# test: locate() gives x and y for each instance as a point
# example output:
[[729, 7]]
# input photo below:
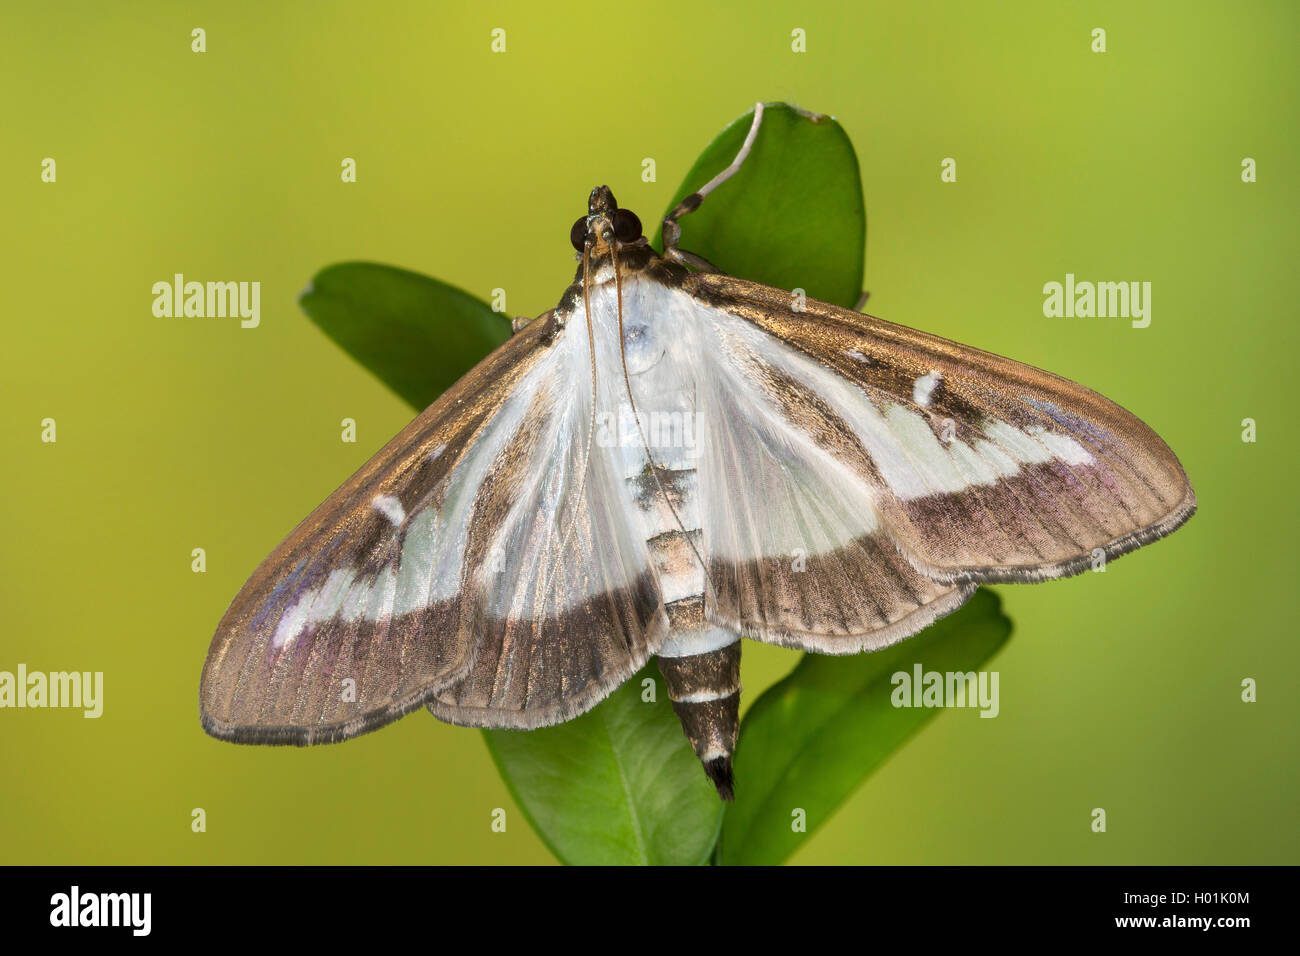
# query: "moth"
[[669, 460]]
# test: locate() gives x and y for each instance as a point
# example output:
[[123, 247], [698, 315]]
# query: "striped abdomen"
[[700, 663], [704, 688]]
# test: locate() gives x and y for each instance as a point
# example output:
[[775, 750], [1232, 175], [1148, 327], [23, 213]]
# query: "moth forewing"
[[376, 601], [978, 468]]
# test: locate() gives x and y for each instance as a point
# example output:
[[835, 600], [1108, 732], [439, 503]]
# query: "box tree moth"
[[667, 461]]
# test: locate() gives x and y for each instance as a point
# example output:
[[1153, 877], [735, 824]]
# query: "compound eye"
[[578, 234], [627, 227]]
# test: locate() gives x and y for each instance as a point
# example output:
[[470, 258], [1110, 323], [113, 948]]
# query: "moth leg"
[[698, 263], [519, 322], [672, 231]]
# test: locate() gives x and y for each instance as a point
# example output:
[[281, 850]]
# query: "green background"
[[1118, 690]]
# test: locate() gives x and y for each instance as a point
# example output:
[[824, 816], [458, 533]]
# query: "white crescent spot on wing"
[[924, 387], [390, 508]]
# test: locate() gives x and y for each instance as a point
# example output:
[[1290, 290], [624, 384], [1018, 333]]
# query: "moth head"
[[605, 222]]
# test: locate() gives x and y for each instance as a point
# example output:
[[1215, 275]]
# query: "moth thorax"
[[705, 694]]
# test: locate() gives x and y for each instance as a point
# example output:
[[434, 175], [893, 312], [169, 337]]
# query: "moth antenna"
[[636, 416]]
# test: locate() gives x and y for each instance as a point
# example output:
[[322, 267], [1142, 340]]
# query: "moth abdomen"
[[705, 692]]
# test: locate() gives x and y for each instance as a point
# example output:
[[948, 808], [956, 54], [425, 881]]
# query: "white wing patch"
[[339, 595], [1002, 463], [1017, 444], [923, 388], [1062, 447], [936, 464], [390, 508]]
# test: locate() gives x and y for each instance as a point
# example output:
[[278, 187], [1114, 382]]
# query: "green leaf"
[[792, 217], [618, 785], [811, 739], [418, 335]]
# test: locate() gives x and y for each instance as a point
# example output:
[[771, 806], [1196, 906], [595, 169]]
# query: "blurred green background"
[[1118, 690]]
